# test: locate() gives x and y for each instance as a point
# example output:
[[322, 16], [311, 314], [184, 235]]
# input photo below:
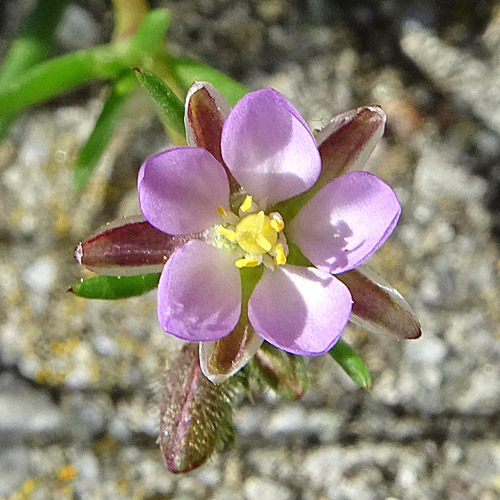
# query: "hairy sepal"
[[195, 415], [378, 307]]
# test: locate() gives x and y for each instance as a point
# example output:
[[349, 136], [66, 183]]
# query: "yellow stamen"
[[221, 211], [277, 225], [247, 203], [247, 262], [255, 235], [280, 258], [263, 242], [227, 233]]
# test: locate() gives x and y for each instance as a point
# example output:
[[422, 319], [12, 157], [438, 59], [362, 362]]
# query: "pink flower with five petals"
[[268, 161]]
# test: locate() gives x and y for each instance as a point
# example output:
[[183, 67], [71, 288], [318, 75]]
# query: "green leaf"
[[58, 75], [113, 287], [103, 131], [149, 37], [31, 46], [187, 71], [170, 108], [351, 363]]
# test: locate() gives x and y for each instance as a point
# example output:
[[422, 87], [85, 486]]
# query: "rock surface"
[[79, 379]]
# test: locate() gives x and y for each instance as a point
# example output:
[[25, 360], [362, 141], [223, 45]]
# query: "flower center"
[[255, 234], [258, 238]]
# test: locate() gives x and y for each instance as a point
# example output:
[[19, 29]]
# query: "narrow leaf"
[[115, 287], [50, 78], [31, 46], [378, 307], [195, 415], [34, 43], [60, 74], [104, 128], [284, 373], [187, 71], [170, 108], [148, 39], [351, 363]]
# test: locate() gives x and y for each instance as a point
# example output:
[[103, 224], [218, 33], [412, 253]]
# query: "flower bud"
[[195, 415]]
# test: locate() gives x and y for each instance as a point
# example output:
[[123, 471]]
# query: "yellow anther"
[[247, 203], [247, 262], [255, 235], [263, 242], [277, 225], [227, 233], [221, 211], [280, 257]]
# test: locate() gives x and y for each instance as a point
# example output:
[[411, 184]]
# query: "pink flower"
[[257, 199]]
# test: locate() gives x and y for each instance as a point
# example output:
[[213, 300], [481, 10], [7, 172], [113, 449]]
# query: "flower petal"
[[223, 358], [300, 310], [269, 148], [180, 189], [378, 307], [346, 222], [199, 294]]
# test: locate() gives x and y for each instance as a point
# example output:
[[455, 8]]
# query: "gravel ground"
[[79, 379]]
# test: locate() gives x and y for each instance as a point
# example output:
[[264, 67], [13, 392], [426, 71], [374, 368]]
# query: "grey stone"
[[26, 412], [77, 29], [265, 489]]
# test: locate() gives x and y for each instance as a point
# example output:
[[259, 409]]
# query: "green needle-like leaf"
[[112, 287], [187, 71], [58, 75], [103, 131], [149, 37], [31, 47], [170, 108], [351, 363], [34, 43]]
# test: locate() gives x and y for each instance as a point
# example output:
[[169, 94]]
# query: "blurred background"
[[79, 379]]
